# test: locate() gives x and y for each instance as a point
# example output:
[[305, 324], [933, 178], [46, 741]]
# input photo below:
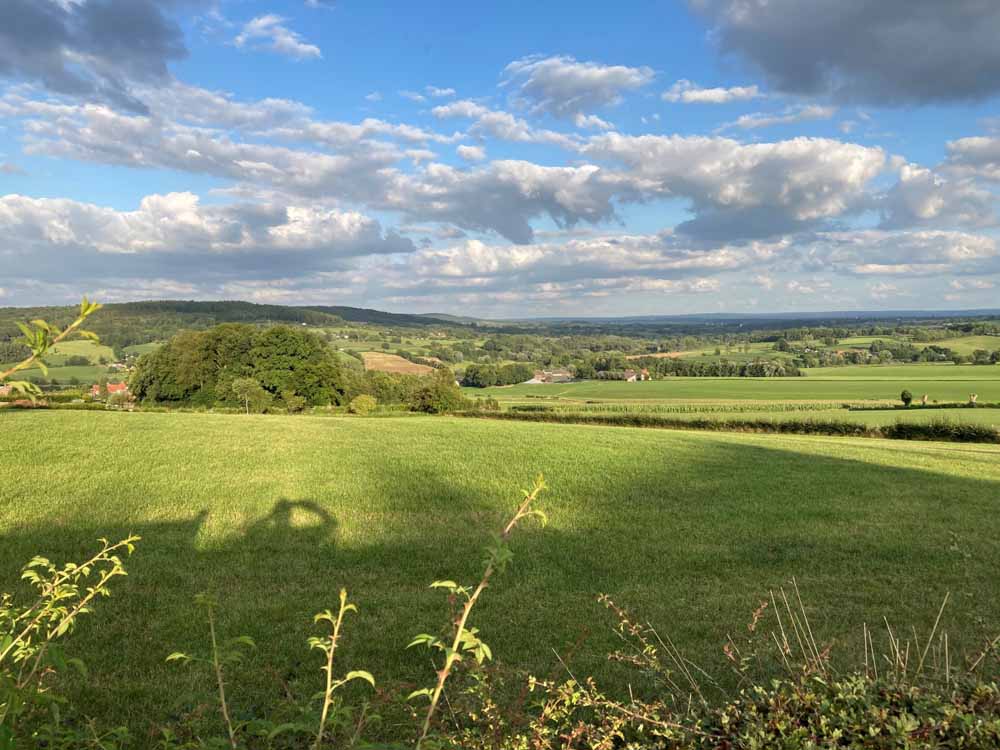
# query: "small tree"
[[293, 402], [906, 397], [251, 394], [362, 405]]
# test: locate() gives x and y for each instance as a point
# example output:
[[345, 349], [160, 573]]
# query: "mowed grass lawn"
[[274, 514]]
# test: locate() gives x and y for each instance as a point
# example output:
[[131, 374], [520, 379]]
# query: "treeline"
[[884, 352], [483, 376], [677, 367]]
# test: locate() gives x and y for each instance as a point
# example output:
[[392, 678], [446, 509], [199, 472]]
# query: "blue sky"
[[512, 159]]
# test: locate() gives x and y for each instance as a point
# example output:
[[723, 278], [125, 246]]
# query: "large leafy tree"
[[201, 366]]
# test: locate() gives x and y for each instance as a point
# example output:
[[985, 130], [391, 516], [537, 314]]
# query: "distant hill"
[[364, 315], [129, 323]]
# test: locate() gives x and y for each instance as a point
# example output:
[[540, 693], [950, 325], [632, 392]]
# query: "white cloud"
[[977, 285], [592, 121], [502, 125], [471, 153], [439, 93], [916, 253], [413, 96], [884, 290], [691, 93], [924, 197], [269, 32], [374, 96], [790, 115], [563, 87], [745, 190], [977, 156]]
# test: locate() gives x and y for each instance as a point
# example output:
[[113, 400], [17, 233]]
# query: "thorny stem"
[[522, 511], [327, 697], [57, 581], [218, 677]]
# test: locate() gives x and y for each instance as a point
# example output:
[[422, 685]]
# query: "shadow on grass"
[[692, 544]]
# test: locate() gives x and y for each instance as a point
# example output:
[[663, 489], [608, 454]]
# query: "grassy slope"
[[923, 380], [274, 514]]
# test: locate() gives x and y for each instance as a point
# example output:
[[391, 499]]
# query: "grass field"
[[382, 362], [967, 344], [274, 514], [934, 381]]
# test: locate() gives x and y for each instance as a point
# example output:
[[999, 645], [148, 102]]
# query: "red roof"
[[112, 388]]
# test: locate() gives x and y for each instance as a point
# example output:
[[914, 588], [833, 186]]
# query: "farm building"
[[550, 376], [95, 390], [632, 376]]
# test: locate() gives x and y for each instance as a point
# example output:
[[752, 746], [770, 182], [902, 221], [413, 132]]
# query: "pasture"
[[941, 383], [274, 514]]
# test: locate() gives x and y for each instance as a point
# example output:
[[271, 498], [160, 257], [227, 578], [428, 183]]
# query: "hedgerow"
[[943, 430]]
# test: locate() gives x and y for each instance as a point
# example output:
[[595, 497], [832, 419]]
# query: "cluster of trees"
[[483, 376], [204, 367], [884, 352], [764, 368], [278, 368]]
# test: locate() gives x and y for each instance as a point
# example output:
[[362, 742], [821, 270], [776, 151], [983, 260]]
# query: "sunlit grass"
[[275, 514]]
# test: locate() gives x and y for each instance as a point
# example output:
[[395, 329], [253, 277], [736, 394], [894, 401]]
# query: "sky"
[[503, 159]]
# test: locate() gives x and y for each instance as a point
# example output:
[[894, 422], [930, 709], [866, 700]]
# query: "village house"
[[6, 390], [550, 376], [95, 390], [632, 376]]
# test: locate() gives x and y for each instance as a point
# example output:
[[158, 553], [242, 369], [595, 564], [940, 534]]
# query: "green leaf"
[[423, 638], [417, 693], [360, 674], [178, 656], [451, 585]]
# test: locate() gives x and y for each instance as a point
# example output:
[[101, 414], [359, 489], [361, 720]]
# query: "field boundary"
[[936, 431]]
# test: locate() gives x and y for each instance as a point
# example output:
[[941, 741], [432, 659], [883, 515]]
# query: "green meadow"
[[274, 514], [867, 383]]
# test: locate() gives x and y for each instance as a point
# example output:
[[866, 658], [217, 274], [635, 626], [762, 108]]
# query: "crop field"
[[917, 379], [274, 514], [383, 362]]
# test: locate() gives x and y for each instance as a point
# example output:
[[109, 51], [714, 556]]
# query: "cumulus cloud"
[[746, 190], [504, 196], [94, 50], [270, 32], [787, 117], [978, 156], [471, 153], [8, 168], [885, 52], [563, 87], [691, 93], [503, 125], [439, 93], [962, 285], [176, 236], [923, 196], [914, 253]]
